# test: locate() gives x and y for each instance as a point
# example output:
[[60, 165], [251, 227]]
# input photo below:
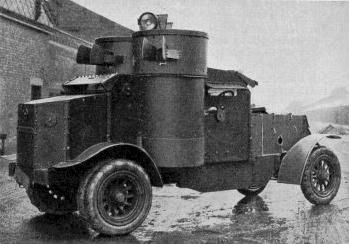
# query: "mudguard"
[[292, 165], [115, 150]]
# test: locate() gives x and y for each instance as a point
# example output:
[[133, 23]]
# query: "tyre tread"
[[306, 187], [91, 181]]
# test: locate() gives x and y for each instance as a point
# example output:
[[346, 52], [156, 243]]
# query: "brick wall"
[[24, 55], [32, 51], [30, 54]]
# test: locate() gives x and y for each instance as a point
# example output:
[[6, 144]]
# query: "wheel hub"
[[323, 176], [118, 197]]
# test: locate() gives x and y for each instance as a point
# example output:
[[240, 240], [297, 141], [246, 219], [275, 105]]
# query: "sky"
[[298, 51]]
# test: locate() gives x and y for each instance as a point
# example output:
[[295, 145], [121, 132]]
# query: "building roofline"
[[20, 19], [61, 3], [25, 21], [105, 18]]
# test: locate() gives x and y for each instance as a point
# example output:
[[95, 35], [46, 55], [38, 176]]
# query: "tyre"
[[321, 177], [115, 197], [51, 200], [252, 190]]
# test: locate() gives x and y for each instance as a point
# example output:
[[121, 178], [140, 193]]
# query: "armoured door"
[[227, 130]]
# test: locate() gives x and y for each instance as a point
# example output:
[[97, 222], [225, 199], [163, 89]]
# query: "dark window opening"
[[35, 92]]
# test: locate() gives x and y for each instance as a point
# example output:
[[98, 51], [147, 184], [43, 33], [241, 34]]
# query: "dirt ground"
[[279, 215]]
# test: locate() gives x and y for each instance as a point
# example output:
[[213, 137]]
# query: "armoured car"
[[155, 114]]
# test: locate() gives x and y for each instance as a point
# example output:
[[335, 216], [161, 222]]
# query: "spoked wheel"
[[119, 197], [321, 177], [252, 190], [116, 198]]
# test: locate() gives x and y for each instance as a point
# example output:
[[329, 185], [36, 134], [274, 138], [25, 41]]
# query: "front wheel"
[[252, 190], [115, 198], [321, 177]]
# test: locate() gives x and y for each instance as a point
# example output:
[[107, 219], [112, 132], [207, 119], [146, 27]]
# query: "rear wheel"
[[252, 190], [115, 198], [321, 177]]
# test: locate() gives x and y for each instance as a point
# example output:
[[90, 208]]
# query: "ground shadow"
[[68, 228], [250, 204]]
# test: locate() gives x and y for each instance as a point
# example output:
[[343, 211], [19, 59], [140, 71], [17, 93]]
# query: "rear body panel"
[[276, 134], [228, 139]]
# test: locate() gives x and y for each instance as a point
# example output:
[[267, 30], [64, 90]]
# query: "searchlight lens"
[[147, 21]]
